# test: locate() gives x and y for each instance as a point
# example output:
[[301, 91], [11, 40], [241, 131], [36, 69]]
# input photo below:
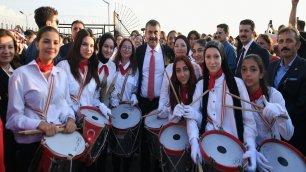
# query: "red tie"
[[106, 72], [151, 76], [122, 71]]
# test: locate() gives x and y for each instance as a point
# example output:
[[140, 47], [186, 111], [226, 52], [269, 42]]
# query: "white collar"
[[156, 49], [247, 46], [126, 65]]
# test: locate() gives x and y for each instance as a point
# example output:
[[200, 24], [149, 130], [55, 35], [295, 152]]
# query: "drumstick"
[[200, 169], [172, 88], [243, 109], [198, 98], [33, 132], [237, 97], [151, 114]]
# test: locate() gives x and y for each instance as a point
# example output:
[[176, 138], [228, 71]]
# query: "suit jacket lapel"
[[292, 70]]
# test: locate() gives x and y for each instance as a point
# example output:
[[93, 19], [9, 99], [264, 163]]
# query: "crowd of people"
[[252, 87]]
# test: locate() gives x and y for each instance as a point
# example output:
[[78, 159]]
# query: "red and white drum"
[[124, 137], [174, 141], [222, 150], [61, 147], [95, 132], [282, 156], [153, 124]]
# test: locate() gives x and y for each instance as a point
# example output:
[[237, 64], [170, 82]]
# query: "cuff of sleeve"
[[32, 124]]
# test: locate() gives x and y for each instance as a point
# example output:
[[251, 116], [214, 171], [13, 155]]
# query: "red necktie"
[[105, 68], [151, 76], [122, 71], [82, 65]]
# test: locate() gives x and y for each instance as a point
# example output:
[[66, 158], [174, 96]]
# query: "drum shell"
[[216, 165], [287, 145], [124, 142]]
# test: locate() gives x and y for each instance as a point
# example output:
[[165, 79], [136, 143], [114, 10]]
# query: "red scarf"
[[105, 68], [256, 95], [44, 67], [83, 63], [122, 71], [184, 94], [212, 79]]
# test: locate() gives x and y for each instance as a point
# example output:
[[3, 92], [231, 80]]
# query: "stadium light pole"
[[107, 13]]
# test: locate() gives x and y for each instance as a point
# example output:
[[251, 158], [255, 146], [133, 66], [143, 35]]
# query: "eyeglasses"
[[126, 47]]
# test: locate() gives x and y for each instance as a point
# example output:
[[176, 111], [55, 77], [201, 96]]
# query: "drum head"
[[94, 115], [174, 137], [282, 158], [223, 149], [125, 116], [151, 121], [66, 145]]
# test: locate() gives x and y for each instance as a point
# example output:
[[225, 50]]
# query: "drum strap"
[[43, 114], [123, 85], [82, 85], [266, 123], [105, 92]]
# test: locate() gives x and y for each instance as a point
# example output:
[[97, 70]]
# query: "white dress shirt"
[[89, 95], [130, 86], [158, 72], [214, 108], [282, 127], [28, 92]]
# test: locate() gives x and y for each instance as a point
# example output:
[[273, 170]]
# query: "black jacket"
[[293, 88]]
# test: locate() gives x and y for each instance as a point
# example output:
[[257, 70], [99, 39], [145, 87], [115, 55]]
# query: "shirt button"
[[213, 101], [214, 114]]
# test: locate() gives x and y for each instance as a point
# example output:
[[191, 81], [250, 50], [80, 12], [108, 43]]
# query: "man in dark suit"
[[246, 32], [152, 57], [288, 75]]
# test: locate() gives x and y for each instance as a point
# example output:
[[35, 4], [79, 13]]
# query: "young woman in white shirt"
[[252, 72], [106, 67], [125, 90], [181, 48], [81, 67], [28, 106], [218, 79]]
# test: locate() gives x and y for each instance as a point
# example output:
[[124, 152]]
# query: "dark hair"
[[301, 25], [134, 31], [77, 22], [43, 14], [46, 29], [4, 32], [185, 40], [248, 22], [224, 27], [29, 32], [262, 82], [292, 30], [75, 57], [152, 23], [118, 56], [202, 42], [231, 84], [102, 40], [176, 83], [193, 32], [172, 31]]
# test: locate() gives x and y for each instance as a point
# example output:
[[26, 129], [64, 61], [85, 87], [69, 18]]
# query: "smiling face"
[[48, 46], [152, 35], [180, 48], [198, 51], [213, 60], [87, 47], [108, 48], [7, 50], [182, 72], [251, 74], [126, 50]]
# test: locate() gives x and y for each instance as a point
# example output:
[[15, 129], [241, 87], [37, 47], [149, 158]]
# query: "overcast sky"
[[181, 15]]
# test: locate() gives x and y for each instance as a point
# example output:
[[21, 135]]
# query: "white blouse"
[[164, 101], [130, 86], [282, 128], [214, 108], [89, 95], [28, 92], [112, 75]]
